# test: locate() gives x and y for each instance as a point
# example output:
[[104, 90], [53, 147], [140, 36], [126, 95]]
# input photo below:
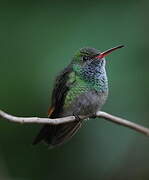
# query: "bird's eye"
[[85, 58]]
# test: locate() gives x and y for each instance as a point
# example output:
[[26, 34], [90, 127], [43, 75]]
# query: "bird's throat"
[[94, 75]]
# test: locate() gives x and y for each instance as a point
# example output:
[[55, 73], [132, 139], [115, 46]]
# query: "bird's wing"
[[62, 84], [57, 135]]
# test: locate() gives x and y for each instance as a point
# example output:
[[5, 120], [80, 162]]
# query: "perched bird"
[[80, 89]]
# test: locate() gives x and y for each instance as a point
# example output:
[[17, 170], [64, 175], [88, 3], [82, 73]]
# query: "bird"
[[80, 89]]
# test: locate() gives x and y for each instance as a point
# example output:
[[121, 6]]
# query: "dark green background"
[[37, 40]]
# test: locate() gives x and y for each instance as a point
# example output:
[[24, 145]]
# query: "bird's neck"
[[94, 75]]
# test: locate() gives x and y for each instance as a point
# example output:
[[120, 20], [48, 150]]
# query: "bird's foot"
[[93, 116], [77, 117]]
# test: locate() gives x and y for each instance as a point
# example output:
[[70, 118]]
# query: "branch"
[[109, 117]]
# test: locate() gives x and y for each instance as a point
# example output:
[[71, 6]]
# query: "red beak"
[[105, 53]]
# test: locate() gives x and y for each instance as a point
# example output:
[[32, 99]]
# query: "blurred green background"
[[37, 40]]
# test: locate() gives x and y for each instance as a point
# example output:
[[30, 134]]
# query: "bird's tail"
[[55, 135]]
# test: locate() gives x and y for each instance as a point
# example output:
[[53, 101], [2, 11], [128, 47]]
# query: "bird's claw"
[[93, 116], [77, 117]]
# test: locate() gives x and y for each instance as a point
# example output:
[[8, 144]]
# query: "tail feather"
[[42, 134], [57, 135], [63, 136]]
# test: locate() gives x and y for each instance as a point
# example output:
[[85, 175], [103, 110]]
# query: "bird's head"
[[87, 56], [90, 62]]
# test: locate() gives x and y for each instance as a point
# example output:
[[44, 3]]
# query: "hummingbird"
[[80, 89]]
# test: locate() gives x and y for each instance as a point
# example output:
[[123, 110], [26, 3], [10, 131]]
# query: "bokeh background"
[[37, 40]]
